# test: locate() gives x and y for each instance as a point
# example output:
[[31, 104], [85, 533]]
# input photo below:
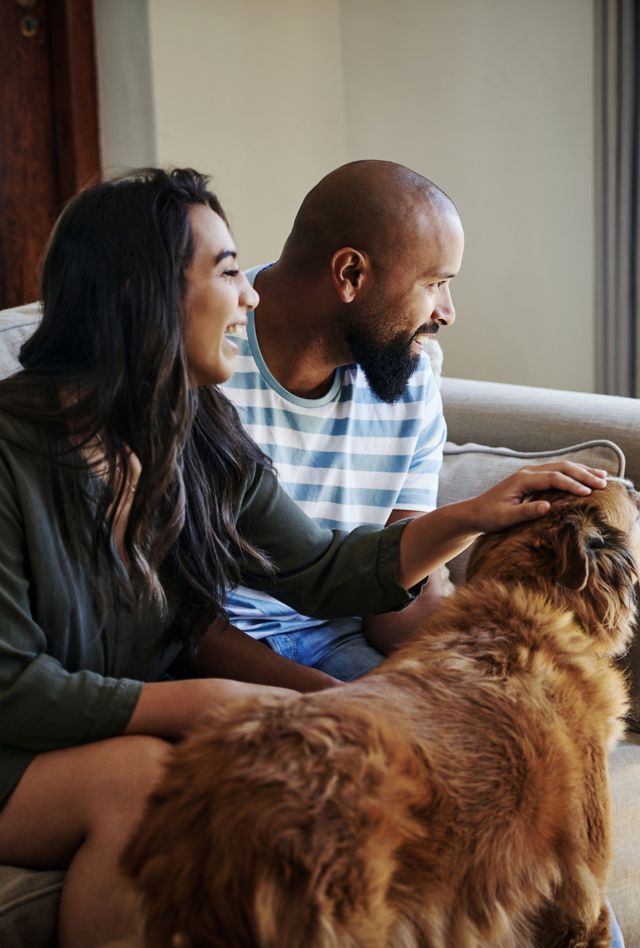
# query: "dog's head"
[[585, 552]]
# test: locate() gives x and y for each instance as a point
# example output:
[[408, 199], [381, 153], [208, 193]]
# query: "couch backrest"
[[16, 325]]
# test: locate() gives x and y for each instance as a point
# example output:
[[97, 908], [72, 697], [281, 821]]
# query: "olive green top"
[[65, 679]]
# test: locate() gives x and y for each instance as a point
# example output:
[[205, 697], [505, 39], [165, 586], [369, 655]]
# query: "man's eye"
[[231, 273]]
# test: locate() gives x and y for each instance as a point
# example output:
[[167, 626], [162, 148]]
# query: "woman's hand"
[[509, 502], [434, 538]]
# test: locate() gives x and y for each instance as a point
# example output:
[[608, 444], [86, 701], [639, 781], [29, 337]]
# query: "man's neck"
[[294, 343]]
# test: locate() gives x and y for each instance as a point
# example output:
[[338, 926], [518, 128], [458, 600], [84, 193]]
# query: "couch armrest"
[[538, 419]]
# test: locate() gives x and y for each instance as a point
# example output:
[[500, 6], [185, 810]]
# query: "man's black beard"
[[387, 368]]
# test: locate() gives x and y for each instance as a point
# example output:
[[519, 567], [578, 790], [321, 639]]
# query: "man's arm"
[[227, 652], [390, 629]]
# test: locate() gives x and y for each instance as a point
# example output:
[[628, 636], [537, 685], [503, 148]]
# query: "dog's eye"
[[597, 541]]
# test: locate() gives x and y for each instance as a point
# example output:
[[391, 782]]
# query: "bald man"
[[333, 384]]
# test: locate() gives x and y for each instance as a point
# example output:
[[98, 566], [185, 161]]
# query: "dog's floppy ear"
[[576, 537]]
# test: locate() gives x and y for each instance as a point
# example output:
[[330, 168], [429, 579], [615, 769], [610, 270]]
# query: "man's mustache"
[[428, 329]]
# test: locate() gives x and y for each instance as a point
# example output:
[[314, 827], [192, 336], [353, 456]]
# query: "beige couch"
[[541, 420], [524, 419]]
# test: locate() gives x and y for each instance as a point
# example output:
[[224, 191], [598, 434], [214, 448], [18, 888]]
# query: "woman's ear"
[[349, 271]]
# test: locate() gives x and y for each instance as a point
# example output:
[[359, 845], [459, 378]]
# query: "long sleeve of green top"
[[66, 679]]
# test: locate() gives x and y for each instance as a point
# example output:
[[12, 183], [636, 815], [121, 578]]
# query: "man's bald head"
[[367, 266], [374, 206]]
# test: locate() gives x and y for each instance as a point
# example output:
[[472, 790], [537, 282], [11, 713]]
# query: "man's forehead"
[[437, 245], [434, 217]]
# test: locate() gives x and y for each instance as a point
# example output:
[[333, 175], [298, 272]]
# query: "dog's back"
[[396, 815], [457, 796]]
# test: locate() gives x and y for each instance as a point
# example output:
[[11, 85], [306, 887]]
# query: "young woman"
[[130, 499]]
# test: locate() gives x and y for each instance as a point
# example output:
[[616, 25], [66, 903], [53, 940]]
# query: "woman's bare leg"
[[75, 809]]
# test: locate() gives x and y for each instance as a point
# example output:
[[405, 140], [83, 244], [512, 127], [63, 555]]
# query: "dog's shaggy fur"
[[456, 797]]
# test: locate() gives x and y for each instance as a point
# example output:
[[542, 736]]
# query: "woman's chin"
[[215, 373]]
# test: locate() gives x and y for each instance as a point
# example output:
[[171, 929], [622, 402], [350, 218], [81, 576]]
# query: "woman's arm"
[[55, 686], [386, 631], [169, 709], [226, 652], [431, 540], [326, 573]]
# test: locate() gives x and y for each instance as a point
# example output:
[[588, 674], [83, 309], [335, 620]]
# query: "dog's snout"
[[635, 497], [633, 493]]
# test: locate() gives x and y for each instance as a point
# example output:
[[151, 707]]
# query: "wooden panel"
[[48, 129], [28, 186], [75, 99]]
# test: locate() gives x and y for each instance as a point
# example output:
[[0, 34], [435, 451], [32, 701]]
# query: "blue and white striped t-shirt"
[[346, 458]]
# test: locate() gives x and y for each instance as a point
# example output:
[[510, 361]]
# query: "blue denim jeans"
[[339, 649], [617, 940]]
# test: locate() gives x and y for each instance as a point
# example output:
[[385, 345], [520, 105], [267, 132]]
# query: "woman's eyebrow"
[[226, 253]]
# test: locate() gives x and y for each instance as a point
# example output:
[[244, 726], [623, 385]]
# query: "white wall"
[[492, 99]]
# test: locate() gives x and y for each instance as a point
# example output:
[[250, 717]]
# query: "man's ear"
[[349, 271]]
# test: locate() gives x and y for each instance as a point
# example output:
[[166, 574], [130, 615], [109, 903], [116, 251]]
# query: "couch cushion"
[[16, 325], [29, 907], [624, 765]]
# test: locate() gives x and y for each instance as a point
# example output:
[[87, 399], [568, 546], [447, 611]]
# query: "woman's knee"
[[117, 804], [134, 766], [69, 795]]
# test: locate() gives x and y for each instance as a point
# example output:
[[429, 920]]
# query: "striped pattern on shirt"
[[346, 457]]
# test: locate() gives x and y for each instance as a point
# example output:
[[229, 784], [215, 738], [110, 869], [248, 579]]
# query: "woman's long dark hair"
[[107, 366]]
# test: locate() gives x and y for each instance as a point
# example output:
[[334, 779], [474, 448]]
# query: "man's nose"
[[444, 312]]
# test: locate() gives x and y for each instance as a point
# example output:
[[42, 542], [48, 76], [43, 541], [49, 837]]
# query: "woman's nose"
[[249, 297]]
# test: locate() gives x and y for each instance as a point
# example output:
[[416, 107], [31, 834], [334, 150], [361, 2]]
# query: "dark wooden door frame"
[[49, 133], [75, 95]]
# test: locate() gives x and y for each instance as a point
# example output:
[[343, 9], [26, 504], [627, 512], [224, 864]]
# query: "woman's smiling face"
[[217, 299]]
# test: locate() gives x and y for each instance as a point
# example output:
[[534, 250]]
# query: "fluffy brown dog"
[[456, 797]]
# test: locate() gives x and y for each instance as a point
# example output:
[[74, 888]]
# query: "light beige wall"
[[493, 99], [256, 98], [127, 116]]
